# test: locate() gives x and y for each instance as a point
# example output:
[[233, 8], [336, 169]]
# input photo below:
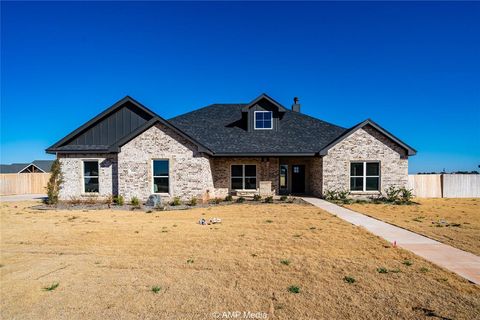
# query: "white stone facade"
[[189, 171], [194, 174], [366, 144], [72, 170]]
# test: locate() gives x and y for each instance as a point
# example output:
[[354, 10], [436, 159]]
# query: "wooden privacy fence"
[[445, 185], [23, 183]]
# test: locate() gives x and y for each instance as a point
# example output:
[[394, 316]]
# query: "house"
[[36, 166], [257, 147]]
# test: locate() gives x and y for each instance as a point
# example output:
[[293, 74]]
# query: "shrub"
[[406, 195], [285, 262], [337, 196], [156, 289], [109, 200], [398, 195], [54, 183], [408, 263], [51, 287], [240, 200], [382, 270], [176, 201], [229, 198], [283, 198], [348, 279], [216, 201], [392, 193], [269, 199], [192, 202], [118, 200], [134, 201], [257, 197], [294, 289]]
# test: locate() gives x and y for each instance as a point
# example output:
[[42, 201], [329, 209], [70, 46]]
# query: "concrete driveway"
[[23, 197]]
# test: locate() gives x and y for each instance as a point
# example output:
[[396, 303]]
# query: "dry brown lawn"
[[452, 221], [106, 263]]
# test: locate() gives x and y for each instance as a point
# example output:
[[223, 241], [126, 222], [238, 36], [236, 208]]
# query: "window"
[[365, 176], [263, 120], [90, 176], [160, 176], [244, 177]]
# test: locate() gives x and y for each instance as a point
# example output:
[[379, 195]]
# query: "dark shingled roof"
[[219, 128], [44, 165]]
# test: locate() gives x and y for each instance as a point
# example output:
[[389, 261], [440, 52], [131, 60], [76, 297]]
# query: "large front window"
[[263, 120], [244, 177], [90, 176], [160, 176], [364, 176]]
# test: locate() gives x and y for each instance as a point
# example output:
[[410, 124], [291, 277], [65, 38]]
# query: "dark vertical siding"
[[112, 128]]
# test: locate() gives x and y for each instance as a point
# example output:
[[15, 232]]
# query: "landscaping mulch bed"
[[168, 207]]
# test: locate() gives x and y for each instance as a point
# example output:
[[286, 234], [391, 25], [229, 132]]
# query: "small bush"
[[337, 196], [268, 221], [156, 289], [285, 262], [382, 270], [134, 201], [51, 287], [229, 198], [257, 197], [176, 201], [348, 279], [269, 199], [408, 263], [118, 200], [283, 198], [240, 200], [294, 289], [423, 269], [190, 260], [398, 195], [192, 202], [215, 201]]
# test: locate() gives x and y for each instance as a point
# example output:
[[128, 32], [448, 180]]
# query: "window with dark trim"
[[244, 177], [160, 176], [263, 120], [364, 176], [90, 176]]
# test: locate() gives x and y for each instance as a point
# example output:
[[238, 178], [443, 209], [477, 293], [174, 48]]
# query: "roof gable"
[[264, 97], [410, 150], [112, 128]]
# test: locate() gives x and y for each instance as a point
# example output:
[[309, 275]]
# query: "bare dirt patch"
[[290, 261], [452, 221]]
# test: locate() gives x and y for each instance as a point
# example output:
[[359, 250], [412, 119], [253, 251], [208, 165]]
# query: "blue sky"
[[414, 68]]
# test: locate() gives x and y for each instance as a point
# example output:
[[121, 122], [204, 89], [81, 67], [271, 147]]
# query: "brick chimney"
[[296, 105]]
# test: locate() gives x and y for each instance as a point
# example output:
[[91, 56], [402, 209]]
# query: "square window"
[[244, 177], [237, 183], [160, 185], [365, 176], [91, 184], [263, 119]]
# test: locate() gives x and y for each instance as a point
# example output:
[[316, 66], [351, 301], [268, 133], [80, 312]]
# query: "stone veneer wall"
[[365, 144], [267, 170], [190, 171], [71, 166], [316, 176]]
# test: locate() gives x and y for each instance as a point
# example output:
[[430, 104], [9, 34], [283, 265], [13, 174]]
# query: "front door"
[[298, 178]]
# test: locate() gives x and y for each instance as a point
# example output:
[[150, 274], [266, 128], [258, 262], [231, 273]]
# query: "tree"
[[55, 182]]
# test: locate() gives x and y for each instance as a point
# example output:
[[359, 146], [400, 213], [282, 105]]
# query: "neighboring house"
[[37, 166], [226, 148]]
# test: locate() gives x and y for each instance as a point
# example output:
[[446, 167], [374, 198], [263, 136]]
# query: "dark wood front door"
[[298, 178]]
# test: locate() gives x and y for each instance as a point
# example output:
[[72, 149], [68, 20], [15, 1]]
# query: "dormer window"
[[263, 120]]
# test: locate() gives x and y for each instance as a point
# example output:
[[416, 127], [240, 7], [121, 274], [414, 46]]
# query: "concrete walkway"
[[463, 263]]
